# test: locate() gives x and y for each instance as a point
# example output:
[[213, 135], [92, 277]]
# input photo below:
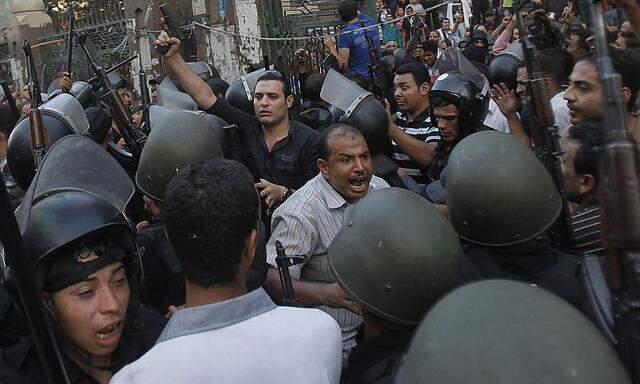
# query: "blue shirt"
[[357, 43]]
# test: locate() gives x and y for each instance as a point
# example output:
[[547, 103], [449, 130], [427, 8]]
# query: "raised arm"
[[192, 83]]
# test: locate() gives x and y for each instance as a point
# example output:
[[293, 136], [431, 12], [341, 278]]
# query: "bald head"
[[335, 131]]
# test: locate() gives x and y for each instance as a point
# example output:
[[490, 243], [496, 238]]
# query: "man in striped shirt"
[[580, 168], [307, 222], [414, 135]]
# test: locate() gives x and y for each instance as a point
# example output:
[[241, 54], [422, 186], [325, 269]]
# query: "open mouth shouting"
[[359, 184], [109, 335]]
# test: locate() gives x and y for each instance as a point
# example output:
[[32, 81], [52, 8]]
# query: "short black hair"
[[551, 67], [418, 71], [564, 58], [627, 67], [312, 86], [347, 10], [276, 75], [592, 138], [211, 206], [430, 46], [334, 130]]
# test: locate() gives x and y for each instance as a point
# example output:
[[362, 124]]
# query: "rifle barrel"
[[22, 270]]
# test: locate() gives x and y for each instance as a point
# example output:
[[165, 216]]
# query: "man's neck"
[[277, 131], [197, 295], [418, 111]]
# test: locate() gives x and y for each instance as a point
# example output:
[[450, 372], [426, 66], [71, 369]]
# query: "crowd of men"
[[391, 222]]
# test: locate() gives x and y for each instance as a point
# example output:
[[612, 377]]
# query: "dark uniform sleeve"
[[233, 115]]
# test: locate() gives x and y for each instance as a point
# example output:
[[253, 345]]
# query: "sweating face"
[[409, 95], [584, 95], [270, 104], [447, 118], [92, 312], [349, 167]]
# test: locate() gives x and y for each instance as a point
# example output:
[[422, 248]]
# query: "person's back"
[[225, 334], [356, 41], [213, 344]]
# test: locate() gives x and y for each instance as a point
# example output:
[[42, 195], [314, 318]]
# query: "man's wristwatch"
[[285, 194]]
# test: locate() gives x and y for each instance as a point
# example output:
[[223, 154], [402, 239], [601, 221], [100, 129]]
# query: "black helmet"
[[312, 86], [61, 116], [361, 109], [168, 150], [79, 191], [458, 89], [240, 92], [479, 34], [508, 332], [399, 53], [504, 69]]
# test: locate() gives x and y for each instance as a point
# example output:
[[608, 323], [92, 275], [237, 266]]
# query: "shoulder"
[[314, 323], [306, 132], [378, 183]]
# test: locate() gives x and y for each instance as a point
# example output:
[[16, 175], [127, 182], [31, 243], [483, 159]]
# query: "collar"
[[333, 199], [208, 317], [422, 116]]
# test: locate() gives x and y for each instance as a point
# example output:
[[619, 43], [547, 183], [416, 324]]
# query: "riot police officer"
[[499, 332], [86, 264], [166, 152], [394, 271], [502, 200]]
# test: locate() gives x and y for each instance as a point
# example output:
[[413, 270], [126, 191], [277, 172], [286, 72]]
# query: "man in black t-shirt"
[[281, 153]]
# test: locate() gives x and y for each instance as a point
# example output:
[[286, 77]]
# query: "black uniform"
[[375, 360], [20, 363], [547, 267]]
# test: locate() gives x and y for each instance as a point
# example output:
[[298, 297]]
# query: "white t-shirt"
[[262, 344]]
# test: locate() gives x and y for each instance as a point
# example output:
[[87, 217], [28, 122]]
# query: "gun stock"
[[133, 138], [545, 135], [39, 141], [620, 201], [146, 103], [284, 262], [19, 274]]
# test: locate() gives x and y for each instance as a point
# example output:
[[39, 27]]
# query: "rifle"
[[170, 27], [19, 273], [374, 66], [133, 138], [146, 102], [9, 96], [39, 141], [72, 24], [284, 262], [620, 199], [544, 132]]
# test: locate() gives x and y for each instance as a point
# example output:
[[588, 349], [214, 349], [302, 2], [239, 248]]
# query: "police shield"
[[453, 60], [360, 107], [174, 99], [240, 92], [76, 162], [61, 116]]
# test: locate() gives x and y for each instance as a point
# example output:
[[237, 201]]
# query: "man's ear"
[[626, 93], [250, 244], [424, 88], [289, 101], [323, 166], [588, 184]]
